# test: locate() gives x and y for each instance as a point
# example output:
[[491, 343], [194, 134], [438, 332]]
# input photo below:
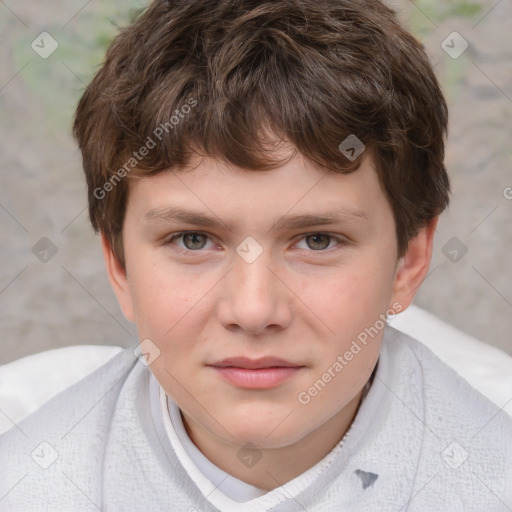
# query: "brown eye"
[[191, 241], [319, 241], [322, 243]]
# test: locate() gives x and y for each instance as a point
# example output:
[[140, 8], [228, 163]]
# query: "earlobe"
[[413, 267], [118, 279]]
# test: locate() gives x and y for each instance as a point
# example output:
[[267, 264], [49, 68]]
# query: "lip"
[[262, 378], [255, 364], [262, 373]]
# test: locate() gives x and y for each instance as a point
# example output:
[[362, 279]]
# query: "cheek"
[[161, 294], [351, 307], [167, 308], [352, 298], [162, 305]]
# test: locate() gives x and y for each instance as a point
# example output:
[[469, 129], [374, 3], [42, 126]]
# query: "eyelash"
[[189, 252]]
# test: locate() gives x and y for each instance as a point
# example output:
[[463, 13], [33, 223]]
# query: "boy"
[[267, 378]]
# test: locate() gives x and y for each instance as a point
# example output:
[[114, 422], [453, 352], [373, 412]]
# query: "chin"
[[262, 440], [263, 434]]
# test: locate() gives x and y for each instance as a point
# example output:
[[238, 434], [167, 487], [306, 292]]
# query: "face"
[[265, 277]]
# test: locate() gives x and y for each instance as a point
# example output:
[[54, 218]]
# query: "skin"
[[303, 299]]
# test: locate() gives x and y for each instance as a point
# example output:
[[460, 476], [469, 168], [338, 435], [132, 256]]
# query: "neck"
[[276, 465]]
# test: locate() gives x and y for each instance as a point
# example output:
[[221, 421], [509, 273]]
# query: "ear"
[[413, 267], [118, 279]]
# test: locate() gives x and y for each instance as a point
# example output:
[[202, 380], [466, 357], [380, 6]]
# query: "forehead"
[[213, 193]]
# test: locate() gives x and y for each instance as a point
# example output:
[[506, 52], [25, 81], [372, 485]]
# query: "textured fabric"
[[422, 440]]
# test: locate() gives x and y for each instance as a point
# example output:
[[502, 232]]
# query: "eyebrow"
[[306, 220]]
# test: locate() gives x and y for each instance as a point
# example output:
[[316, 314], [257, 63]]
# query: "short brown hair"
[[216, 75]]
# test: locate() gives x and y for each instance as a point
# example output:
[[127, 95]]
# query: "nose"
[[254, 296]]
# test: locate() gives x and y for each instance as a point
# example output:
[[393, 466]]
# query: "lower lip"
[[262, 378]]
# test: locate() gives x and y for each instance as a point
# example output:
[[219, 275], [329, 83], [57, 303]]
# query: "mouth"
[[263, 373], [255, 364]]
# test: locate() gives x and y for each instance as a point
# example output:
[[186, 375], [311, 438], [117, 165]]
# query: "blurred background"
[[53, 287]]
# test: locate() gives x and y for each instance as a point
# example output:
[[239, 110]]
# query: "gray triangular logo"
[[366, 477]]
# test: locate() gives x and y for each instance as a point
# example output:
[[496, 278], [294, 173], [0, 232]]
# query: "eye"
[[194, 241], [319, 242]]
